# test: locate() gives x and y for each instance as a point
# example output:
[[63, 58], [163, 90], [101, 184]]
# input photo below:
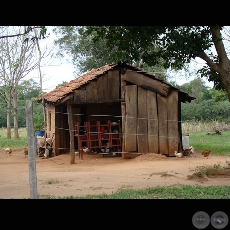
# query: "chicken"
[[206, 153], [178, 155], [86, 150], [25, 150], [192, 149], [189, 151], [8, 150]]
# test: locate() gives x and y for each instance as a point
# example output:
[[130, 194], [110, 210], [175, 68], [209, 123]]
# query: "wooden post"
[[71, 133], [31, 150]]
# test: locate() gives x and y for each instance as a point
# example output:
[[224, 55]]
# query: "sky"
[[55, 70]]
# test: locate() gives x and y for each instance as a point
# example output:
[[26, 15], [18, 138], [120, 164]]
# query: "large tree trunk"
[[8, 123], [225, 79], [223, 67], [15, 106], [8, 114]]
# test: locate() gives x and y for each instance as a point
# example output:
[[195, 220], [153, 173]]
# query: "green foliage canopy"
[[87, 53], [176, 45]]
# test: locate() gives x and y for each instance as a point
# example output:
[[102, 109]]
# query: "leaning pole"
[[31, 150]]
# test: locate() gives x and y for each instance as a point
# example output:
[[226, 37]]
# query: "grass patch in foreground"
[[175, 192]]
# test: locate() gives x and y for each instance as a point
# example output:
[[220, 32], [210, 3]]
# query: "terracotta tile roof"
[[62, 91]]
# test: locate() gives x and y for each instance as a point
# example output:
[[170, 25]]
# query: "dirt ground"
[[95, 174]]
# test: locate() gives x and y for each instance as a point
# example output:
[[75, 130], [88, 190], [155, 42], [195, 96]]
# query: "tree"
[[87, 53], [27, 33], [30, 90], [17, 59], [27, 90], [176, 45], [195, 88]]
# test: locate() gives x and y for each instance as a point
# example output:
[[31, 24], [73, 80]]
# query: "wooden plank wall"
[[123, 111], [80, 95], [151, 103], [102, 88], [130, 137], [172, 111], [91, 91], [142, 121], [59, 130], [163, 129], [105, 88], [76, 115], [114, 85], [180, 148]]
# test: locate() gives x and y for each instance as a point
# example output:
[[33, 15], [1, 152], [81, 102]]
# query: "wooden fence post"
[[31, 150]]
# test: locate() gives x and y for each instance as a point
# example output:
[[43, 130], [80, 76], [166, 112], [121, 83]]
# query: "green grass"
[[162, 192], [218, 144], [16, 144]]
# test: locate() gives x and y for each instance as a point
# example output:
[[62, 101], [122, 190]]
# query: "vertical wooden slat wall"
[[59, 130], [65, 131], [102, 88], [76, 115], [123, 111], [80, 95], [151, 103], [179, 125], [91, 92], [130, 134], [142, 123], [163, 129], [172, 111], [113, 85]]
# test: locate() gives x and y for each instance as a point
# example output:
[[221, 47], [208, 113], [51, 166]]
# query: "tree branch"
[[219, 46], [27, 31]]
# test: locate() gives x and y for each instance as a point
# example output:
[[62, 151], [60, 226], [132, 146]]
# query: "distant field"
[[16, 144], [218, 144]]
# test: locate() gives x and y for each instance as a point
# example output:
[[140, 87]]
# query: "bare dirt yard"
[[95, 174]]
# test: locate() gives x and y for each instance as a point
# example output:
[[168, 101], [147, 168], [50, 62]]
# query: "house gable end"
[[146, 82]]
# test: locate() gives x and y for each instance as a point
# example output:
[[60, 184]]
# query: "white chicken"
[[178, 155], [192, 149], [8, 150], [86, 150]]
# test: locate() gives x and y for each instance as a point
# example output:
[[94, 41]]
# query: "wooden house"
[[145, 109]]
